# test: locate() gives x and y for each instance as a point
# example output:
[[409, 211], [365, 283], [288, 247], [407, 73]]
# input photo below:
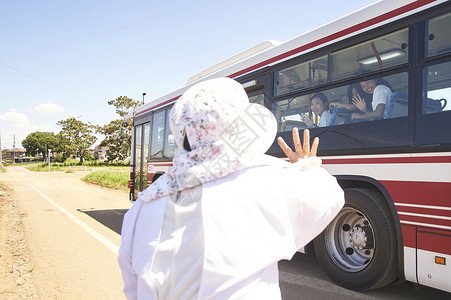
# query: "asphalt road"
[[72, 231]]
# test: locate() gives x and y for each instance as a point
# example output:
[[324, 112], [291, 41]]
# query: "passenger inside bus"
[[380, 92], [320, 107], [355, 95]]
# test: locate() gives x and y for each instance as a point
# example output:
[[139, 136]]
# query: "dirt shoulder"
[[15, 264]]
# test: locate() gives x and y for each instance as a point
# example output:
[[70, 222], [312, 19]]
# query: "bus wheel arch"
[[359, 249]]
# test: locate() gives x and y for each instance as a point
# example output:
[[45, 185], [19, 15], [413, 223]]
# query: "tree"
[[39, 142], [124, 106], [61, 149], [118, 133], [118, 139], [78, 135]]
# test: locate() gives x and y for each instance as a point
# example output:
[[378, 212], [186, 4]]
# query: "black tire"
[[358, 249]]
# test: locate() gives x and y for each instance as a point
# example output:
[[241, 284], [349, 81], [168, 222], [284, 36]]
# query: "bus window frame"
[[138, 171], [151, 158], [407, 67], [343, 130], [422, 138], [167, 129], [167, 110]]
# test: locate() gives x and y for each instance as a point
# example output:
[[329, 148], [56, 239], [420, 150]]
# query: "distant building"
[[100, 152], [16, 155]]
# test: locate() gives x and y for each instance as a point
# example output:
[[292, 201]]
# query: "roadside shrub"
[[112, 179], [71, 162]]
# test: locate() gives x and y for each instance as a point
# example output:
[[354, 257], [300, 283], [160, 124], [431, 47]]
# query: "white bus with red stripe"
[[395, 170]]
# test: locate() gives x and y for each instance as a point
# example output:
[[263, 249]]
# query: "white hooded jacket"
[[220, 235]]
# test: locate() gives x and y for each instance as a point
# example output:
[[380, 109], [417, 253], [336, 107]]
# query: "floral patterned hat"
[[225, 132], [219, 109]]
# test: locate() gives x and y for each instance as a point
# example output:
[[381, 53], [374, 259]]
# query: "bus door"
[[142, 137]]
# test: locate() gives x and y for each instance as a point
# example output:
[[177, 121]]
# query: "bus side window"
[[436, 117], [259, 99], [438, 35], [301, 76], [438, 89], [373, 55], [170, 148], [288, 112]]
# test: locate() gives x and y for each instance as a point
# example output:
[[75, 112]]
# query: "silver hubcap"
[[350, 240]]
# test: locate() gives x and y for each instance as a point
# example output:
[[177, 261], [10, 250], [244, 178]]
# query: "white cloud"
[[14, 128], [48, 108], [15, 120]]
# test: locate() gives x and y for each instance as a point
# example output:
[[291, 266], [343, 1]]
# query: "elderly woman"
[[216, 225]]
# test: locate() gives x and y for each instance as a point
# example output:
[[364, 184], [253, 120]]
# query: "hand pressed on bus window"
[[301, 151]]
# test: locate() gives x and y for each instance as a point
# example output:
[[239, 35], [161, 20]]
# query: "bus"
[[395, 168]]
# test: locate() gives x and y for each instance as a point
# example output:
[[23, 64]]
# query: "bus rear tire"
[[358, 249]]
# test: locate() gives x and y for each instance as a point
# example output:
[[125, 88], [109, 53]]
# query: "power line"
[[47, 84]]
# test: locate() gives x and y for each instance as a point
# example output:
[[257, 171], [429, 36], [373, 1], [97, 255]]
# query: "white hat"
[[226, 133], [219, 109]]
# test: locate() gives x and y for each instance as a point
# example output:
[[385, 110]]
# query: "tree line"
[[76, 137]]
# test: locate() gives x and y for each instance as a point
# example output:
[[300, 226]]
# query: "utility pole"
[[49, 157], [14, 149]]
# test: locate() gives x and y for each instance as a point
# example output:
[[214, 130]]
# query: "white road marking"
[[107, 243]]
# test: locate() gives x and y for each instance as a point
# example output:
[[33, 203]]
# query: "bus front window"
[[156, 146]]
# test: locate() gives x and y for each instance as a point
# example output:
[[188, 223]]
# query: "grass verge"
[[111, 179], [60, 167], [44, 167]]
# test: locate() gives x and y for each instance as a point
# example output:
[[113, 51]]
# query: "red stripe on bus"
[[409, 236], [433, 240], [389, 160], [419, 192], [435, 231], [440, 243], [336, 35]]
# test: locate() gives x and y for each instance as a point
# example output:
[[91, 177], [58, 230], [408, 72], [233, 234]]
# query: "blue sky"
[[68, 58]]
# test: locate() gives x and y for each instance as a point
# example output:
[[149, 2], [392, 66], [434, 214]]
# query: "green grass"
[[111, 179], [68, 168], [44, 167]]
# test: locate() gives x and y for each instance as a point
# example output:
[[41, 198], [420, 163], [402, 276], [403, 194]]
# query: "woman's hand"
[[360, 103], [306, 119], [300, 150]]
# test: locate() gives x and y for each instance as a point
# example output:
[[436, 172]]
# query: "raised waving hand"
[[300, 151]]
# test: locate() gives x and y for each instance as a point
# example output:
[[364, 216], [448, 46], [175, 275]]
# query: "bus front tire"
[[358, 249]]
